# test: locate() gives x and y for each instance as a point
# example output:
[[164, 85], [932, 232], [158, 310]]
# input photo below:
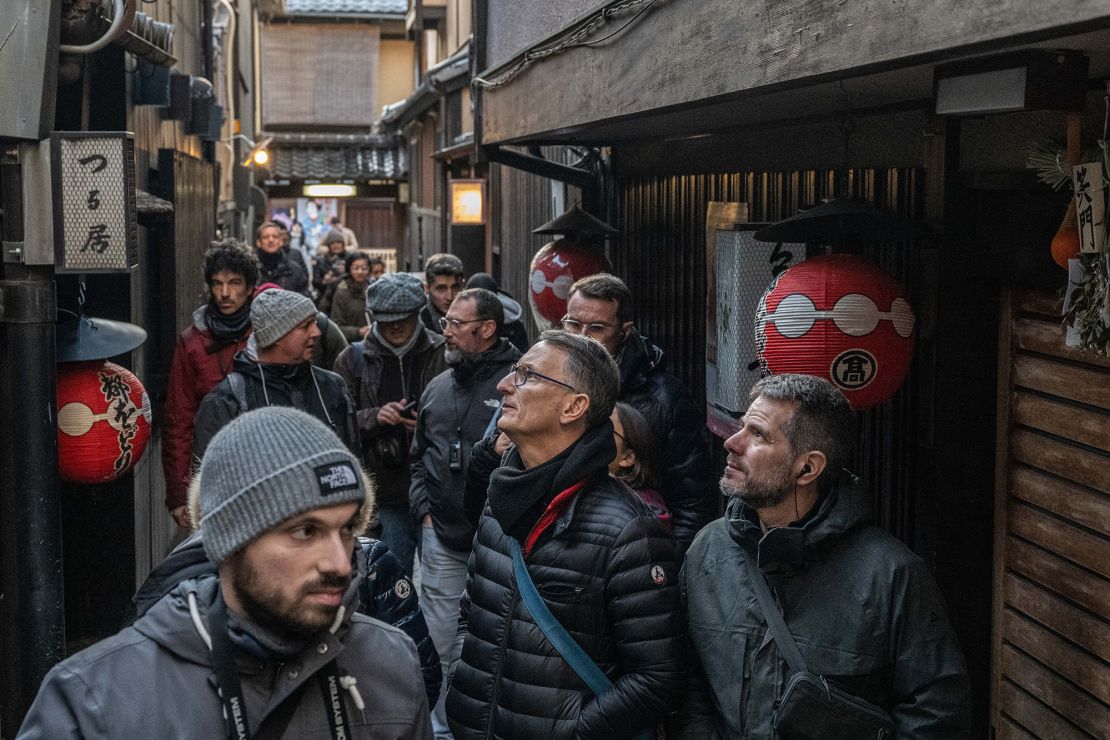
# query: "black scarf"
[[469, 364], [518, 496], [226, 328], [270, 260]]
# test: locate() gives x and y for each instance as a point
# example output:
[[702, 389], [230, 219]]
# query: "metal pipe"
[[114, 31], [32, 617]]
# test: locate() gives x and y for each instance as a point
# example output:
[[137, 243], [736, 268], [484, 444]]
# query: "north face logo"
[[336, 477]]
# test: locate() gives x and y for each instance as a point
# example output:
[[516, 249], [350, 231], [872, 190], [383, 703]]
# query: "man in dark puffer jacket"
[[598, 557], [600, 306]]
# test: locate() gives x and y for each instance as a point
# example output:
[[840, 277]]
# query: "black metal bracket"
[[543, 167]]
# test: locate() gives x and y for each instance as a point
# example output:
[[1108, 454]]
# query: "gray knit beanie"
[[269, 465], [275, 313], [394, 297]]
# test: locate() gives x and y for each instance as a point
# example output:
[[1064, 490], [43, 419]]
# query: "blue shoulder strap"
[[493, 420], [571, 651]]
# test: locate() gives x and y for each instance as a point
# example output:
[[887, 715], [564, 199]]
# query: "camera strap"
[[773, 616], [231, 691]]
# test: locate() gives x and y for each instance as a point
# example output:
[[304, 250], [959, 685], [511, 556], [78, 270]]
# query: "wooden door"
[[378, 224], [1051, 633]]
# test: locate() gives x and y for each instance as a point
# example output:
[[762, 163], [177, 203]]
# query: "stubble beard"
[[759, 494], [266, 606]]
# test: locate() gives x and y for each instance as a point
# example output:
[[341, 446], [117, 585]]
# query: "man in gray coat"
[[272, 642], [864, 610]]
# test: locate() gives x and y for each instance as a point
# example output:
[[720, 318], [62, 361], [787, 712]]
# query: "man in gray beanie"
[[272, 643], [385, 372], [276, 370]]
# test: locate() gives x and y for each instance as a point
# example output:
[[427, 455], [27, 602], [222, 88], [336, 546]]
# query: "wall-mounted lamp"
[[330, 190], [468, 202], [1032, 79], [257, 154]]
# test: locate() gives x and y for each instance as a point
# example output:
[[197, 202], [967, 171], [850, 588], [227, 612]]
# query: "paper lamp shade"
[[841, 318], [554, 269], [103, 421]]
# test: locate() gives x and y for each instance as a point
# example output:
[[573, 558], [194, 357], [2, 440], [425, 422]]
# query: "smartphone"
[[409, 408]]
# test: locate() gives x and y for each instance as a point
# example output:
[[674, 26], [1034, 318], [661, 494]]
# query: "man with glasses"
[[598, 557], [455, 411], [600, 307]]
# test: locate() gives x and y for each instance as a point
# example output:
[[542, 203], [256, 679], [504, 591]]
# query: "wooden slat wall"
[[1051, 641]]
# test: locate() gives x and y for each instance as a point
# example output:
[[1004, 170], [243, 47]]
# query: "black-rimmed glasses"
[[521, 374]]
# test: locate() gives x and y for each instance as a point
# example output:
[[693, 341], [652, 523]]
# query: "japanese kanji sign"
[[94, 196], [1090, 206]]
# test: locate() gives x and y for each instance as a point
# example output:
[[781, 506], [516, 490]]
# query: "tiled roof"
[[324, 162], [346, 7]]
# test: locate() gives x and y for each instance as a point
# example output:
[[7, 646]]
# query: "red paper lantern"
[[103, 421], [554, 269], [841, 318]]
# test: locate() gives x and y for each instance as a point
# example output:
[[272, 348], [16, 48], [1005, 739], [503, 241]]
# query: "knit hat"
[[275, 313], [269, 465], [394, 297], [483, 280], [331, 237]]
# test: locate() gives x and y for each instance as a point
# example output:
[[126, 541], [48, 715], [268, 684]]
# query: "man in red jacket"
[[203, 358]]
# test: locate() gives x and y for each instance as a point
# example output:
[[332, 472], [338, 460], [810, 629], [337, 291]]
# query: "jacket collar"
[[791, 548], [637, 359]]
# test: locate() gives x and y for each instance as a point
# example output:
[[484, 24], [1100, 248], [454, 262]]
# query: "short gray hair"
[[822, 419], [590, 369]]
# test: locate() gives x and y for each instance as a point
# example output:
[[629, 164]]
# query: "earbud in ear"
[[805, 469]]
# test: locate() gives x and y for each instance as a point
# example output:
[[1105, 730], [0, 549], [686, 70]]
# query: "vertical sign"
[[94, 201], [1090, 206], [745, 267]]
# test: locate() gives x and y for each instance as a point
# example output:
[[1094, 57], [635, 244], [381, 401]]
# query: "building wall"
[[395, 73]]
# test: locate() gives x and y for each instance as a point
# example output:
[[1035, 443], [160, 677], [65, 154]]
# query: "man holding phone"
[[386, 372]]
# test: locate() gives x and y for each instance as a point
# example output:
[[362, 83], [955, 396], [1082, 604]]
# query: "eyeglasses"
[[522, 373], [455, 324], [577, 327]]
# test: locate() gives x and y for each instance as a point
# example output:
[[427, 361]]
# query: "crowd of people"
[[334, 436]]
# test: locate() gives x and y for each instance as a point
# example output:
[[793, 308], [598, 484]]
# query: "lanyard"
[[231, 692]]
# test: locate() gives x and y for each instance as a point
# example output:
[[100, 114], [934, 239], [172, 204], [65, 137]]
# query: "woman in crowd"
[[348, 304], [635, 463]]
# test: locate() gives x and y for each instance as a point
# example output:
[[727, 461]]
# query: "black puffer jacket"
[[681, 440], [366, 367], [608, 571], [320, 393], [284, 269], [462, 399]]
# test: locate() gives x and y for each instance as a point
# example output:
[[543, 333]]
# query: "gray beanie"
[[394, 297], [266, 466], [275, 313]]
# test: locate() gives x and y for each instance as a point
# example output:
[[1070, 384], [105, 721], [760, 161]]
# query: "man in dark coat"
[[203, 358], [454, 413], [864, 610], [600, 306], [513, 327], [599, 558], [269, 646], [276, 370], [443, 279], [276, 263], [384, 372]]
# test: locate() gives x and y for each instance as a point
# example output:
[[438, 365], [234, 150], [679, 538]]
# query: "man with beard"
[[863, 609], [277, 265], [455, 411], [600, 307], [598, 557], [276, 370], [204, 357], [269, 645]]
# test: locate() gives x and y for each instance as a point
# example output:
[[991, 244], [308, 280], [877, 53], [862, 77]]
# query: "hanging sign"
[[94, 201], [1090, 206]]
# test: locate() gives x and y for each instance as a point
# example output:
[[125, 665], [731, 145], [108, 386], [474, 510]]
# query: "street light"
[[257, 154]]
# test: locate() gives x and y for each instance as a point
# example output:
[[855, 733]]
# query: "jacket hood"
[[198, 318], [472, 365], [246, 363], [513, 309], [426, 339], [187, 561], [637, 359], [792, 548]]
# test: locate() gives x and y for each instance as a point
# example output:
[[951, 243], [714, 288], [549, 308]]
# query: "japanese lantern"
[[841, 318], [554, 269], [103, 421]]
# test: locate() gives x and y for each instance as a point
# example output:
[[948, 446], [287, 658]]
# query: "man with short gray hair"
[[863, 610], [598, 557]]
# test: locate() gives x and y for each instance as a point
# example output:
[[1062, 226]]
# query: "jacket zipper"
[[502, 649]]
